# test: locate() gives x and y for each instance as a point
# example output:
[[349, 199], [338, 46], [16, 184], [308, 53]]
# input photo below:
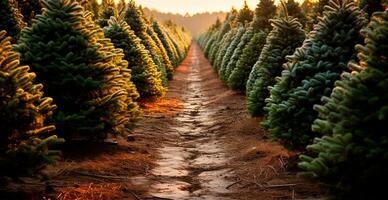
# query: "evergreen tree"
[[224, 44], [108, 11], [134, 18], [209, 45], [166, 42], [11, 20], [351, 156], [245, 15], [81, 70], [176, 46], [287, 34], [225, 29], [294, 10], [144, 71], [163, 53], [311, 73], [24, 139], [370, 6], [264, 11], [229, 53], [29, 9], [252, 50], [247, 36]]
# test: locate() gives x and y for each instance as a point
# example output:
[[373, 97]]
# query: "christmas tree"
[[351, 156], [239, 76], [249, 33], [245, 15], [226, 27], [311, 73], [24, 139], [134, 18], [11, 20], [224, 44], [29, 9], [108, 11], [166, 60], [223, 71], [294, 10], [144, 71], [286, 36], [264, 11], [83, 72], [165, 41]]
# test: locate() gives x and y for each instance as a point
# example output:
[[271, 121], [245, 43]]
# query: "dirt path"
[[192, 163], [196, 143], [212, 149]]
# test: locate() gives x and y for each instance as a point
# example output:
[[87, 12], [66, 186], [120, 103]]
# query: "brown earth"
[[196, 143]]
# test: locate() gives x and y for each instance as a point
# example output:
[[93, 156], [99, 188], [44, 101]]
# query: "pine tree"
[[24, 139], [11, 20], [249, 33], [209, 45], [264, 11], [351, 156], [245, 15], [229, 53], [163, 53], [286, 36], [29, 9], [294, 10], [144, 71], [224, 44], [239, 76], [165, 40], [311, 73], [108, 11], [134, 18], [81, 70], [370, 6], [218, 43]]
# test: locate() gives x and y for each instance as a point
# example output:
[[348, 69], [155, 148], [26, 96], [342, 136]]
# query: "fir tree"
[[134, 18], [252, 50], [81, 70], [29, 9], [311, 73], [286, 36], [108, 11], [210, 43], [294, 10], [224, 44], [163, 53], [144, 71], [24, 139], [264, 11], [166, 42], [371, 6], [351, 156], [229, 53], [218, 43], [249, 33], [11, 20], [245, 15]]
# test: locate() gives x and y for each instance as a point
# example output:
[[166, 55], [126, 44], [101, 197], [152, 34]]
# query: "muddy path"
[[196, 143], [211, 148], [193, 162]]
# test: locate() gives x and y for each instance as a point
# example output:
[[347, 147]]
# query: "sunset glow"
[[195, 6]]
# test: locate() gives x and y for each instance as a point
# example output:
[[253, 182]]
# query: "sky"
[[195, 6]]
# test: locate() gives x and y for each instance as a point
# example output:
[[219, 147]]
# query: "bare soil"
[[196, 143]]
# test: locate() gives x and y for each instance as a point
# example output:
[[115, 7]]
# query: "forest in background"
[[195, 24]]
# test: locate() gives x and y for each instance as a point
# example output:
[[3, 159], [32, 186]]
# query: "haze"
[[195, 6]]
